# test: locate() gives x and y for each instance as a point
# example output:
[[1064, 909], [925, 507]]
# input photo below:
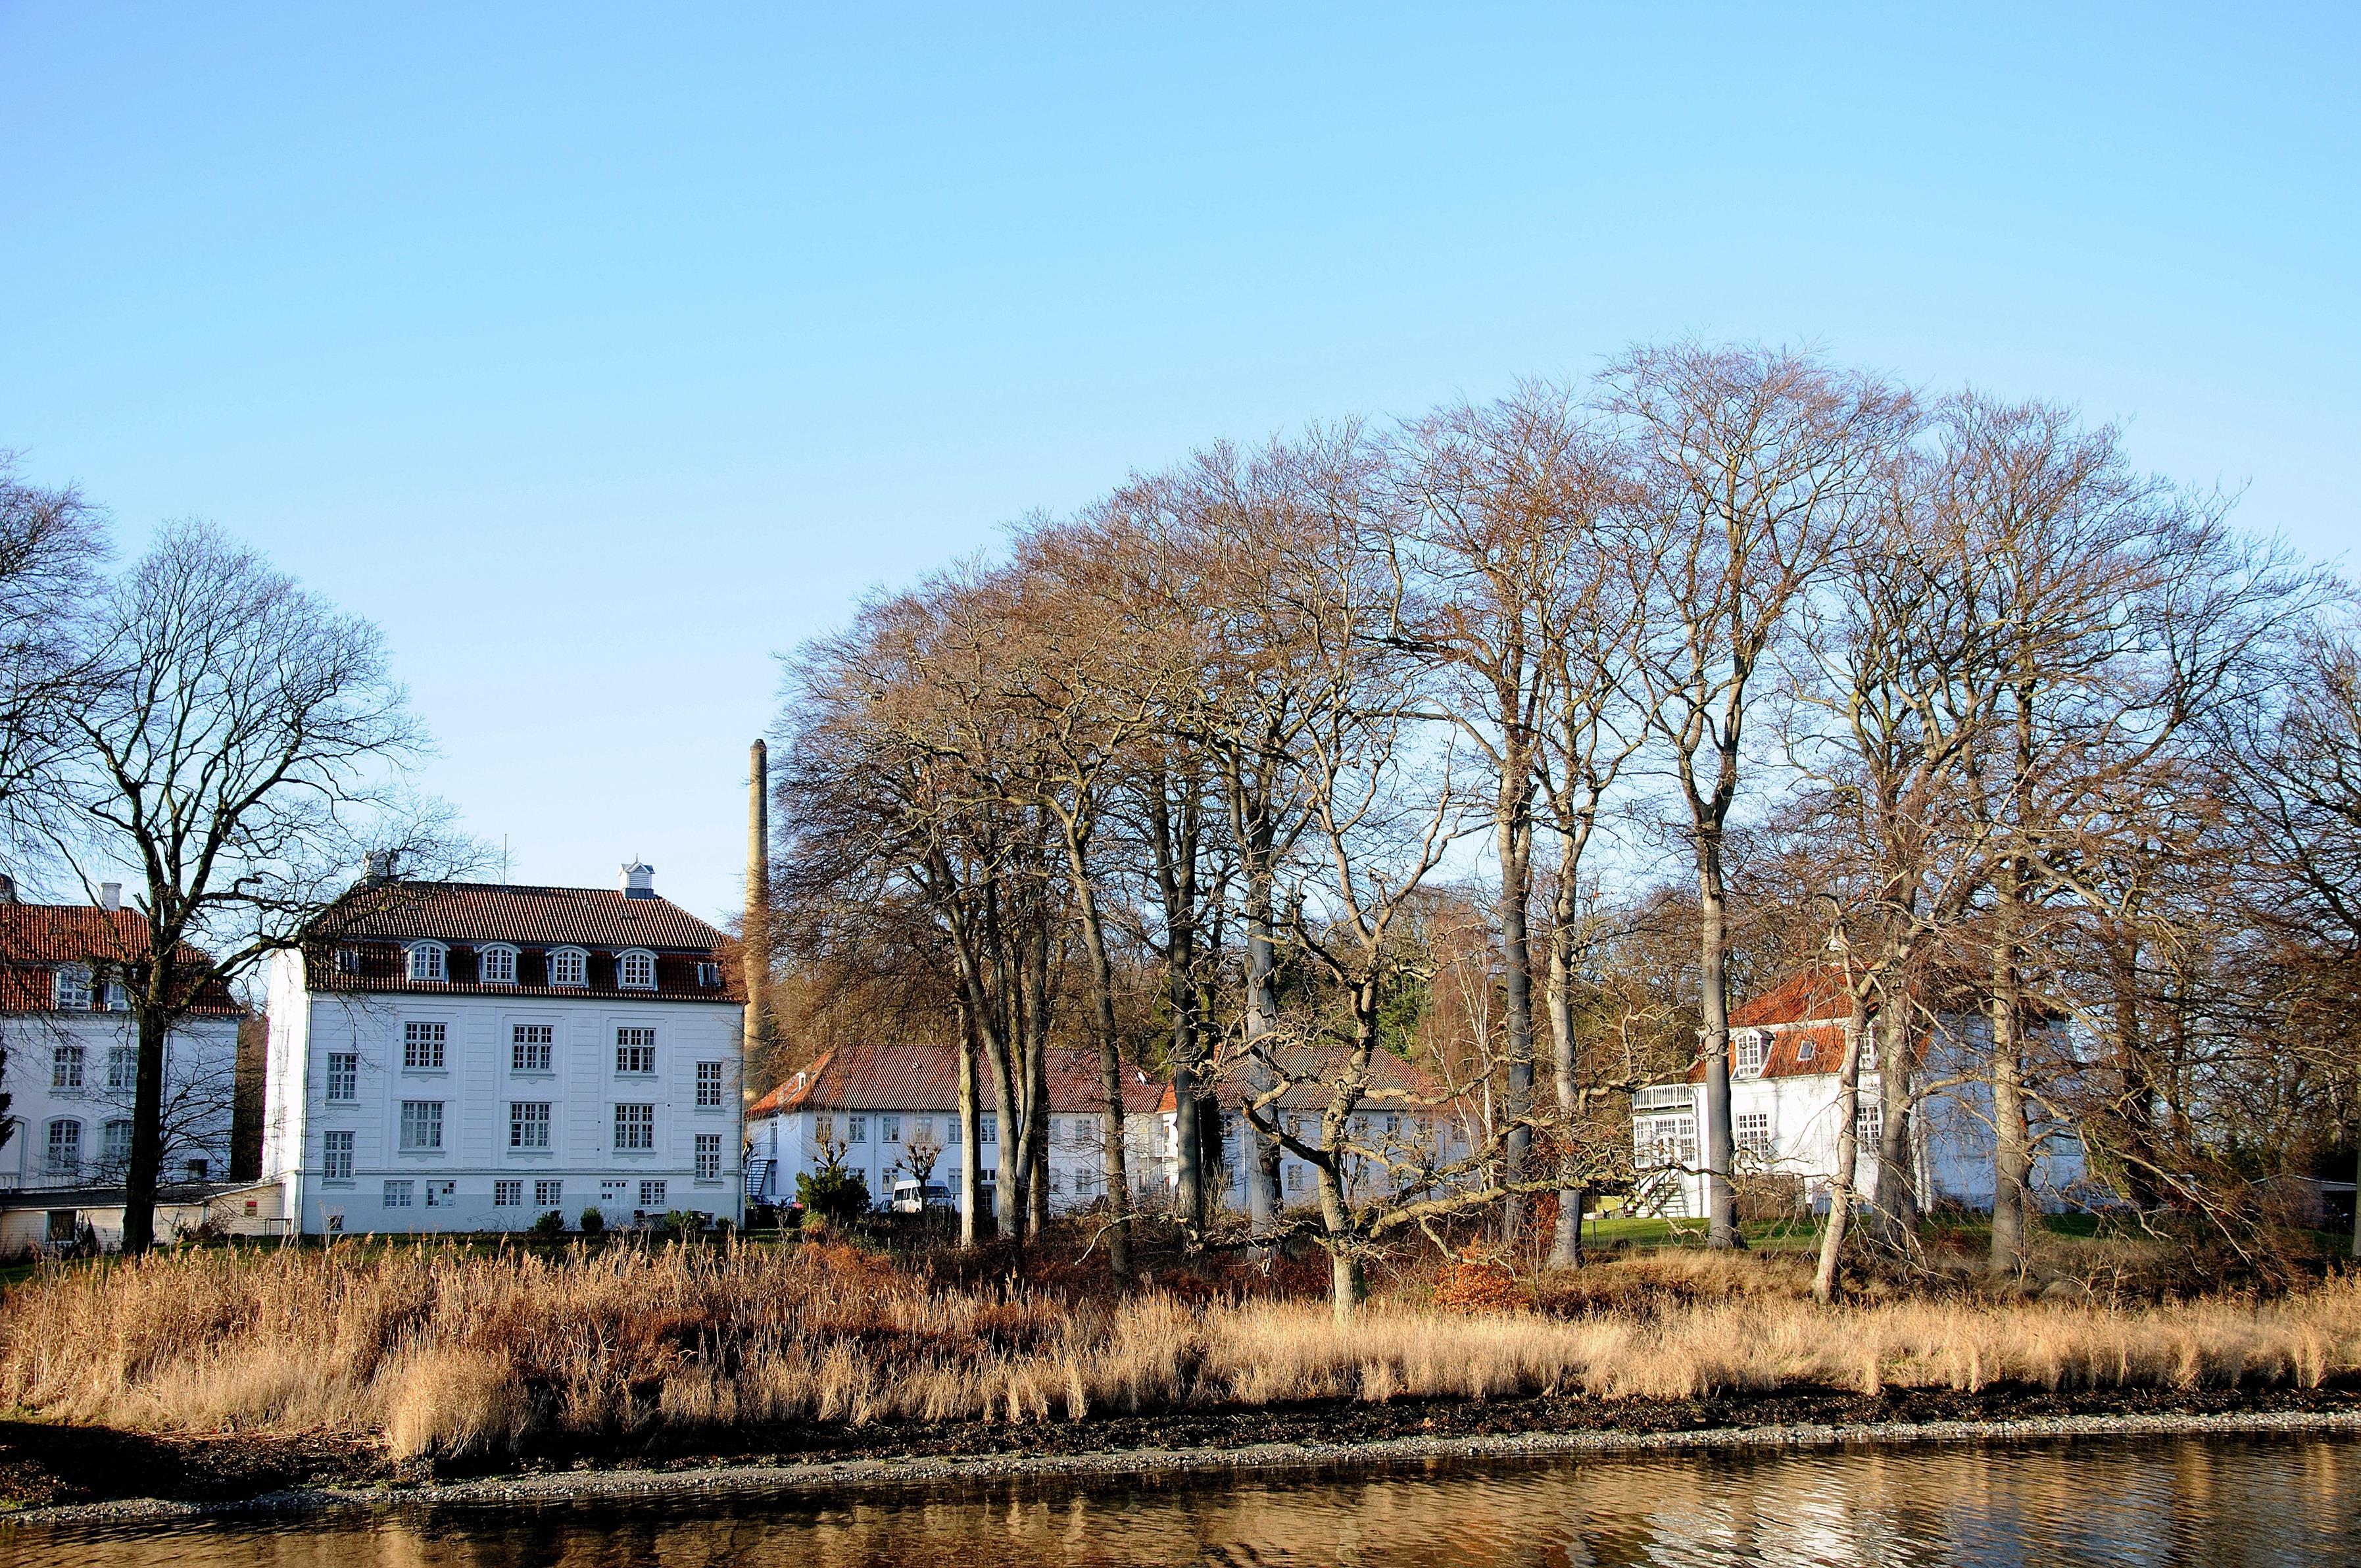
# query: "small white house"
[[73, 1052], [472, 1056], [1786, 1049]]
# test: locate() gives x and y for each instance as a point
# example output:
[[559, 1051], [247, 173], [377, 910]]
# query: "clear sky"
[[601, 353]]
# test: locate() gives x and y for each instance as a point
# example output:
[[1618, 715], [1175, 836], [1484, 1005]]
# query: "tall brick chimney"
[[758, 898]]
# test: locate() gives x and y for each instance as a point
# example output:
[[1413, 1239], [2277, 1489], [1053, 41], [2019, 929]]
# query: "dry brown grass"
[[448, 1352]]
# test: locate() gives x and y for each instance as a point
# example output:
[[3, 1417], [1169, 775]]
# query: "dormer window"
[[635, 970], [1753, 1047], [429, 961], [709, 974], [70, 990], [347, 961], [118, 1000], [496, 964], [569, 966]]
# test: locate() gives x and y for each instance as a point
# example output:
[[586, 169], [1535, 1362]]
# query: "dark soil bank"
[[43, 1465]]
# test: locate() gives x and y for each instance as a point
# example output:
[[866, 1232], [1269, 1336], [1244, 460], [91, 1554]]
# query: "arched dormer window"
[[496, 964], [429, 961], [568, 966], [1753, 1047], [635, 970]]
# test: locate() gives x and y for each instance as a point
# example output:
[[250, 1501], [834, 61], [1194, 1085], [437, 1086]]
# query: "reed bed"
[[443, 1352]]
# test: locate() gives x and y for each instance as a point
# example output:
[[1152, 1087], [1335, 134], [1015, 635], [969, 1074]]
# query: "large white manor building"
[[472, 1056]]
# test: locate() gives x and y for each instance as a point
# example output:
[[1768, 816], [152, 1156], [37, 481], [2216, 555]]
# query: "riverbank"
[[54, 1474]]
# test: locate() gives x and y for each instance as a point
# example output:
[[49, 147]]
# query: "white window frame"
[[577, 963], [65, 1069], [425, 1045], [708, 1156], [109, 1154], [1747, 1123], [856, 1130], [629, 962], [529, 1123], [69, 988], [401, 1192], [635, 1127], [501, 955], [549, 1192], [654, 1193], [529, 1055], [508, 1192], [442, 1192], [709, 1085], [426, 963], [420, 1125], [344, 1085], [114, 998], [122, 1066], [1745, 1043], [335, 1156], [635, 1039], [889, 1129], [708, 973]]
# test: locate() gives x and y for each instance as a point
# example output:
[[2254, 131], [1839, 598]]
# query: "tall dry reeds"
[[444, 1351]]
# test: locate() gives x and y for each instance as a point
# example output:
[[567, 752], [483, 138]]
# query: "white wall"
[[476, 1086], [200, 1072]]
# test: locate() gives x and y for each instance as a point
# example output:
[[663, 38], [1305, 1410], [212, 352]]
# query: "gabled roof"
[[35, 939], [1391, 1082], [499, 912], [871, 1077]]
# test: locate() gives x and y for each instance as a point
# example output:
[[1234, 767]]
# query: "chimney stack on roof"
[[638, 880], [110, 896], [377, 867]]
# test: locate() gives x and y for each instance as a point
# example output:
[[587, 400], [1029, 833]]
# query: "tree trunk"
[[147, 1123], [1112, 1165], [1721, 1197], [970, 1151], [2012, 1153], [1841, 1184], [1897, 1177], [1261, 1154], [1565, 1247], [1516, 837]]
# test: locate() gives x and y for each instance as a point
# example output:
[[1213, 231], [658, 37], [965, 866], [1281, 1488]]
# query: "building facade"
[[1786, 1048], [73, 1051], [473, 1056]]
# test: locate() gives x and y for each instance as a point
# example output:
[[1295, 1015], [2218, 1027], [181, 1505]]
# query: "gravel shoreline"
[[1294, 1458]]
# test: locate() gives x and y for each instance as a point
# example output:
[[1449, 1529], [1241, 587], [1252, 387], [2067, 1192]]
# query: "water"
[[2195, 1500]]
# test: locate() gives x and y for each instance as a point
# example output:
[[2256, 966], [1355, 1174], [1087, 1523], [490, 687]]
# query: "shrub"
[[549, 1226], [833, 1193], [1473, 1284], [594, 1221]]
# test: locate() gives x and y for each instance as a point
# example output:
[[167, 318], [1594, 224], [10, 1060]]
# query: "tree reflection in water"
[[2195, 1500]]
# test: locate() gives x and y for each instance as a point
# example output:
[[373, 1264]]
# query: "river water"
[[2172, 1500]]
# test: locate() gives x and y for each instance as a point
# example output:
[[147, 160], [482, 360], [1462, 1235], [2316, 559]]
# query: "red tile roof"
[[926, 1078], [35, 939], [1390, 1078], [498, 912]]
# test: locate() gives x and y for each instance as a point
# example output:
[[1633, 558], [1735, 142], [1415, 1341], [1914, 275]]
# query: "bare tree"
[[240, 745], [51, 544], [1750, 465]]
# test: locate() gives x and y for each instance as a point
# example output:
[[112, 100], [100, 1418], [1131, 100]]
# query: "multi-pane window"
[[347, 961], [652, 1194], [987, 1127], [635, 1050], [421, 1045], [508, 1193], [569, 966], [336, 1156], [635, 1126], [856, 1129], [117, 1000], [709, 974], [1753, 1133], [65, 1067], [344, 1075], [708, 1156], [1869, 1050], [65, 1148], [121, 1066], [496, 965], [889, 1129], [422, 1124], [72, 988], [114, 1143], [1753, 1047], [922, 1129], [635, 970], [952, 1133], [548, 1194], [197, 1170], [1868, 1122], [529, 1124], [613, 1191], [1294, 1178], [427, 961], [823, 1129], [529, 1047], [708, 1083], [398, 1194], [442, 1194]]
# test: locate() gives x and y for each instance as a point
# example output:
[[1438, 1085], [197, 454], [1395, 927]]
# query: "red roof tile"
[[926, 1078], [35, 939], [498, 912]]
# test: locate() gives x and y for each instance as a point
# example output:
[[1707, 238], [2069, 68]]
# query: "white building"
[[472, 1056], [873, 1104], [72, 1056], [879, 1108], [1786, 1049]]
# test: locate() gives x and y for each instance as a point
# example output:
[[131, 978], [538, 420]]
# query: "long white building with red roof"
[[472, 1056], [1786, 1049]]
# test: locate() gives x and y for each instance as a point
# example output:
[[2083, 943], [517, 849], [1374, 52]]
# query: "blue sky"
[[600, 354]]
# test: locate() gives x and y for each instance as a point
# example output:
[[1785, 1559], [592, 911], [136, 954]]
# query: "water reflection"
[[2193, 1501]]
